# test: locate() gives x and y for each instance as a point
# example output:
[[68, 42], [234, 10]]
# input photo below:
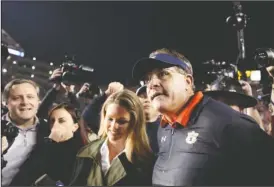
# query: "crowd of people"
[[164, 133]]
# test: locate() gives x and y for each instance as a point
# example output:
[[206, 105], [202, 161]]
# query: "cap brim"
[[145, 65], [244, 101]]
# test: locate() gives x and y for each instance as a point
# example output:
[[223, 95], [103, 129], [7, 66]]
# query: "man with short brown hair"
[[22, 100]]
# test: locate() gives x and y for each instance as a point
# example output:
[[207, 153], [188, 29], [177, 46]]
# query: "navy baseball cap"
[[160, 60]]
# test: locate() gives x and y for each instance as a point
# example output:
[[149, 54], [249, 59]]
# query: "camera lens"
[[264, 57]]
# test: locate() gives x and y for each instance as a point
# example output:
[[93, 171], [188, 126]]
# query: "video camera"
[[217, 68], [74, 74], [211, 70]]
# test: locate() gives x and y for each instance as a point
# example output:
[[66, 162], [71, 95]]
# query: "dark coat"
[[88, 170], [54, 159], [219, 146]]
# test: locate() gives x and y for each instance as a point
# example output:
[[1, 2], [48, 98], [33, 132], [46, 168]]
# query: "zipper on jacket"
[[170, 150]]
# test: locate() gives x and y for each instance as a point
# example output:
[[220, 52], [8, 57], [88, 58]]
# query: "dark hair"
[[83, 131], [68, 107]]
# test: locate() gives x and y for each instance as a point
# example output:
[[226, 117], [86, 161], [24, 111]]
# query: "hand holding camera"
[[58, 85], [54, 76]]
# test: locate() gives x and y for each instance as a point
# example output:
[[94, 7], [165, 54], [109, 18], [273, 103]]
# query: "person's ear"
[[75, 127], [189, 80]]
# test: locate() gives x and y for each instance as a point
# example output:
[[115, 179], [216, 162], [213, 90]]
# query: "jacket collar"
[[115, 173], [194, 114], [91, 150], [7, 118]]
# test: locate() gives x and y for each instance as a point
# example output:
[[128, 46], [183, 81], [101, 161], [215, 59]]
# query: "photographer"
[[265, 114], [251, 111], [23, 130]]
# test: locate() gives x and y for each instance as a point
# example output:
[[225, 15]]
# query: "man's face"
[[148, 108], [23, 102], [168, 89]]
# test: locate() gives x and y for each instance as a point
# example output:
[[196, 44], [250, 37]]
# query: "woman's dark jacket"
[[54, 159]]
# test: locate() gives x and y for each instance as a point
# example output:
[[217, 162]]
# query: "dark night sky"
[[111, 36]]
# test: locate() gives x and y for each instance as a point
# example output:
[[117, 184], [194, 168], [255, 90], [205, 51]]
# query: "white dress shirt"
[[105, 157]]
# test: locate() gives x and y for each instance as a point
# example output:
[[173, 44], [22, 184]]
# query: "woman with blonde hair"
[[122, 155]]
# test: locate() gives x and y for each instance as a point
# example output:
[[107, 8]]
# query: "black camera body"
[[212, 69], [75, 74], [264, 57], [219, 68]]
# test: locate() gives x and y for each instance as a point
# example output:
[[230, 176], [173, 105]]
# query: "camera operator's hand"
[[114, 87], [83, 89], [5, 143], [55, 74], [60, 86], [246, 87], [270, 71]]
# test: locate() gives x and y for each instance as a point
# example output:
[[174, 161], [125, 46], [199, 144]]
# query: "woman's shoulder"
[[92, 137], [91, 149]]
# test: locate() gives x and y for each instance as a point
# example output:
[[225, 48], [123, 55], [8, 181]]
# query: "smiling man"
[[201, 141], [22, 99]]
